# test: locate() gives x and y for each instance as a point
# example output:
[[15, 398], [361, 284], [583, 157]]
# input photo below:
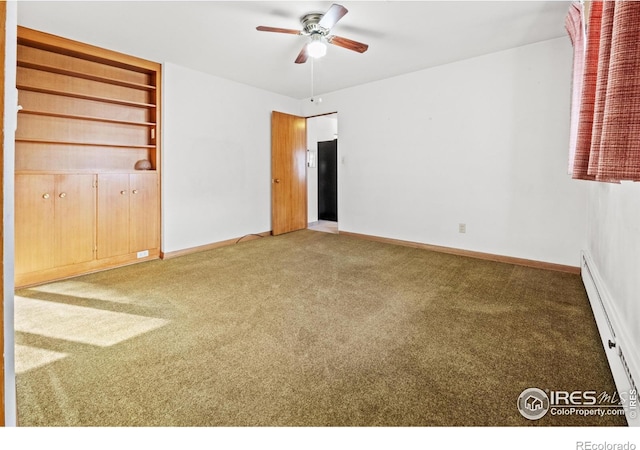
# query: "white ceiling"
[[219, 37]]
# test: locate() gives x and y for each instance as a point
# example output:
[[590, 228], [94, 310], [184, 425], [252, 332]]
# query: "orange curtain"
[[608, 136]]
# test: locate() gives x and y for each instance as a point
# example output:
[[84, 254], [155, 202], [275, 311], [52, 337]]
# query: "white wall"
[[614, 246], [319, 129], [216, 160], [481, 142]]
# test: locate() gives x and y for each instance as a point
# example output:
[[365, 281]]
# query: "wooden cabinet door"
[[113, 215], [34, 222], [144, 211], [75, 219]]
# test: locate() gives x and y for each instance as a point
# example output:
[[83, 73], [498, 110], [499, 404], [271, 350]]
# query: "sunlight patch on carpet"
[[80, 323], [84, 290], [28, 357]]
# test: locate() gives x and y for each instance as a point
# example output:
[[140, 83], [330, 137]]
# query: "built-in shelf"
[[65, 172], [82, 117], [89, 117], [85, 76], [97, 98], [87, 144]]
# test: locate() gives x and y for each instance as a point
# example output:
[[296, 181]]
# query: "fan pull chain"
[[319, 99], [312, 70]]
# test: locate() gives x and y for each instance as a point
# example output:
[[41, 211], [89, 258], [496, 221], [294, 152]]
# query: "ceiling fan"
[[318, 26]]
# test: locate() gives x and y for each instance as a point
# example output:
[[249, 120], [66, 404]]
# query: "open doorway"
[[322, 173]]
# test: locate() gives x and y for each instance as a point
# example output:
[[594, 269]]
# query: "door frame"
[[8, 102], [313, 193], [306, 171], [3, 34]]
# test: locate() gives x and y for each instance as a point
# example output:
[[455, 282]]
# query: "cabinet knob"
[[63, 194], [45, 196], [135, 191], [123, 192]]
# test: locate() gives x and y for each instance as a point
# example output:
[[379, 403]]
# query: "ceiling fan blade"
[[303, 55], [331, 17], [348, 44], [278, 30]]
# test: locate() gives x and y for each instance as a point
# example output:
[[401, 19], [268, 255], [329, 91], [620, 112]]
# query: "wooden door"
[[288, 173], [34, 222], [113, 215], [144, 212], [328, 180], [75, 219]]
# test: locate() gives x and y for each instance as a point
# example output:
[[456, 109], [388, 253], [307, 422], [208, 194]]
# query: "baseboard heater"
[[622, 353]]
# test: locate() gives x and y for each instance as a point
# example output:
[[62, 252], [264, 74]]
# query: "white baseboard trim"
[[622, 353]]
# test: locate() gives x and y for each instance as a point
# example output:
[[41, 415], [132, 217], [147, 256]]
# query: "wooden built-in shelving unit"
[[88, 116]]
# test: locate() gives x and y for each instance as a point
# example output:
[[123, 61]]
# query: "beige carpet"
[[305, 329]]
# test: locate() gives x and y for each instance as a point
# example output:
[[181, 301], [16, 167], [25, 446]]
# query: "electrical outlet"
[[462, 228], [143, 254]]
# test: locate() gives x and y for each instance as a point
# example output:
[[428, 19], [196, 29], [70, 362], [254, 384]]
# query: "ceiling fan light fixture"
[[317, 48], [318, 27]]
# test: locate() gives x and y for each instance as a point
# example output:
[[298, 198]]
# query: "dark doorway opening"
[[328, 180]]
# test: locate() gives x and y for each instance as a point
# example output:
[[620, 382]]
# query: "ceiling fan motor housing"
[[310, 24]]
